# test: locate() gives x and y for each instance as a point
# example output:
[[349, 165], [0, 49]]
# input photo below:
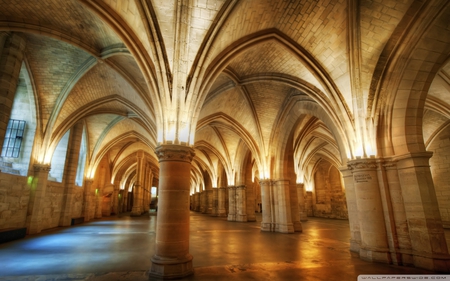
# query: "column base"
[[355, 246], [267, 227], [171, 268], [135, 214], [374, 256], [222, 214], [285, 228], [241, 218], [439, 263], [298, 227], [231, 217]]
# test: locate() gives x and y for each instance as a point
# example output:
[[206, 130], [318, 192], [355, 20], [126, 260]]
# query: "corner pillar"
[[137, 194], [241, 203], [87, 198], [12, 47], [374, 241], [267, 223], [429, 247], [222, 212], [209, 201], [232, 203], [284, 218], [350, 195], [215, 202], [37, 196], [301, 201], [70, 173]]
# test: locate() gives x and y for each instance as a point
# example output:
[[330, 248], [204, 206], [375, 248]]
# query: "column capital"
[[88, 181], [285, 181], [41, 168], [241, 187], [231, 187], [363, 164], [265, 182], [172, 152], [417, 159]]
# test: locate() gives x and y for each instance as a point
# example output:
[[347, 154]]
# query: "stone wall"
[[440, 169], [14, 197], [51, 211], [329, 199]]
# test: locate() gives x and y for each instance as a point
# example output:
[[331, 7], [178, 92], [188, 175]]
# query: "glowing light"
[[96, 191], [183, 135], [30, 180], [308, 187], [359, 152], [170, 136]]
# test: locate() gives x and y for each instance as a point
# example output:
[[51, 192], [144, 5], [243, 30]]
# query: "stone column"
[[209, 199], [37, 197], [429, 247], [301, 201], [401, 239], [137, 194], [350, 195], [231, 203], [374, 246], [11, 57], [250, 197], [241, 203], [148, 188], [203, 202], [295, 212], [125, 199], [70, 173], [172, 258], [267, 224], [198, 203], [87, 198], [215, 203], [284, 218], [222, 212], [115, 198]]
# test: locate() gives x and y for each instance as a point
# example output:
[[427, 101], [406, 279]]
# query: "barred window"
[[13, 138]]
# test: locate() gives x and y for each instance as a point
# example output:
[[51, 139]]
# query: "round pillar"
[[172, 258], [266, 198]]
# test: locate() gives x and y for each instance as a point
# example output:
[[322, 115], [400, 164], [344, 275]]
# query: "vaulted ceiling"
[[259, 72]]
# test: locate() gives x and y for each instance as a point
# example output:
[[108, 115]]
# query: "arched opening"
[[23, 121]]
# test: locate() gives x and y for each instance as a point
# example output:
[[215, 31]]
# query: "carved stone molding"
[[169, 152], [241, 187], [266, 182], [362, 164], [88, 182], [41, 168]]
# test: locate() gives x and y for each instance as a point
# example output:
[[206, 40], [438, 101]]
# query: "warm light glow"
[[90, 173], [300, 178], [359, 151], [183, 135], [308, 187], [370, 151], [170, 136]]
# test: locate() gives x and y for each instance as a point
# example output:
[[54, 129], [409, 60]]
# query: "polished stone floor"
[[119, 248]]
